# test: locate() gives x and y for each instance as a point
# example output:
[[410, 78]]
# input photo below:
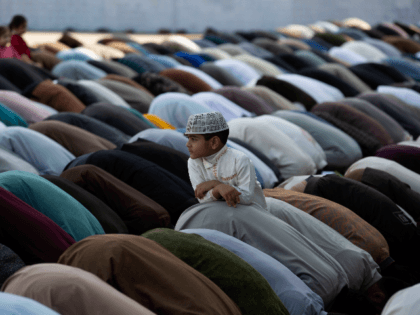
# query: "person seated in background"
[[217, 171], [8, 51], [17, 28]]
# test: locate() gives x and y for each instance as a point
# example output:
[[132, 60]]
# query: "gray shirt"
[[341, 149], [361, 269], [258, 228]]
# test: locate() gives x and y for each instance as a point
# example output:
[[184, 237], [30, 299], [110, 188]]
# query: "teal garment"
[[53, 202], [140, 115], [10, 118], [238, 279]]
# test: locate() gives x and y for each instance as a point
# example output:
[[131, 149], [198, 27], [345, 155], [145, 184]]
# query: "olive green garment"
[[239, 280]]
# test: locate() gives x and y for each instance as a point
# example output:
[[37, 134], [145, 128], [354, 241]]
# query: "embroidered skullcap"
[[206, 123]]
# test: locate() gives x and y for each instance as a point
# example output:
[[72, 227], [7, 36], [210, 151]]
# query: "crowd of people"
[[249, 172]]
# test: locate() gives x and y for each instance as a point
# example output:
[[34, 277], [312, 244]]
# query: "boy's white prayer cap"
[[206, 123]]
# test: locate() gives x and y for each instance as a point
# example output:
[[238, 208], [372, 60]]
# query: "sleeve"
[[196, 177], [246, 179], [20, 46]]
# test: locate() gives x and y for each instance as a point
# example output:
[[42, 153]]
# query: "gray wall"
[[196, 15]]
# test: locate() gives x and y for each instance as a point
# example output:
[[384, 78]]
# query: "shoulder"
[[194, 163], [240, 158], [236, 154]]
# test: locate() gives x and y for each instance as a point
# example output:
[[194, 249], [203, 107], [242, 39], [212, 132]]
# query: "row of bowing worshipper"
[[98, 213]]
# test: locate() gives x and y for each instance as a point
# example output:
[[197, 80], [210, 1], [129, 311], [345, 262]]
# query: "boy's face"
[[198, 146], [21, 29], [5, 38]]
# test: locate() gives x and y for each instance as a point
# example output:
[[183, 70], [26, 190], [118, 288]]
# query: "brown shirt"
[[57, 96], [187, 80], [341, 219], [77, 140], [138, 212], [149, 274]]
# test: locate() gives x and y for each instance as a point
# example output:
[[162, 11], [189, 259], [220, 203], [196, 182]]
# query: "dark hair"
[[17, 21], [3, 30], [223, 136]]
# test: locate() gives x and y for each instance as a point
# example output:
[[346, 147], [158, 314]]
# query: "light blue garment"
[[18, 305], [46, 155], [175, 108], [405, 66], [239, 69], [219, 103], [78, 70], [166, 61], [72, 54], [53, 202], [167, 137], [10, 161], [139, 48], [293, 292], [386, 48], [341, 149]]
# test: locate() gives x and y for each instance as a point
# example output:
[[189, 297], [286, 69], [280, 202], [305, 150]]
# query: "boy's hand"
[[204, 187], [230, 194]]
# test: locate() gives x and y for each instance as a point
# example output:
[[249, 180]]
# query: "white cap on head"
[[206, 123]]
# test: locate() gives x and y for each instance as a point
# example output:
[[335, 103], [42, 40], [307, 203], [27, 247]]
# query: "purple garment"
[[406, 155], [24, 107], [31, 234]]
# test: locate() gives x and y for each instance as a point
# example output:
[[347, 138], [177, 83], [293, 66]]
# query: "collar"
[[211, 160]]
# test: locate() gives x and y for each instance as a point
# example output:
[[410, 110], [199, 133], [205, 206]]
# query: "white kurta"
[[404, 302], [230, 167]]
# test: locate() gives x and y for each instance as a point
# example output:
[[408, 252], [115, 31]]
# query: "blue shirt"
[[15, 304], [46, 155], [78, 70]]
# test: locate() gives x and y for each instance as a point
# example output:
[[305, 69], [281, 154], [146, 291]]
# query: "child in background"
[[6, 51], [217, 171], [17, 28]]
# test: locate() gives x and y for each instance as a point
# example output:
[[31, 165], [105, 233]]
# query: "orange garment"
[[159, 122]]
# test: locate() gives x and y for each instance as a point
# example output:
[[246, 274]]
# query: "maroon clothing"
[[19, 45], [28, 232], [406, 155]]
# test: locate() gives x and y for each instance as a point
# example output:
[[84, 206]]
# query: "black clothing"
[[109, 220]]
